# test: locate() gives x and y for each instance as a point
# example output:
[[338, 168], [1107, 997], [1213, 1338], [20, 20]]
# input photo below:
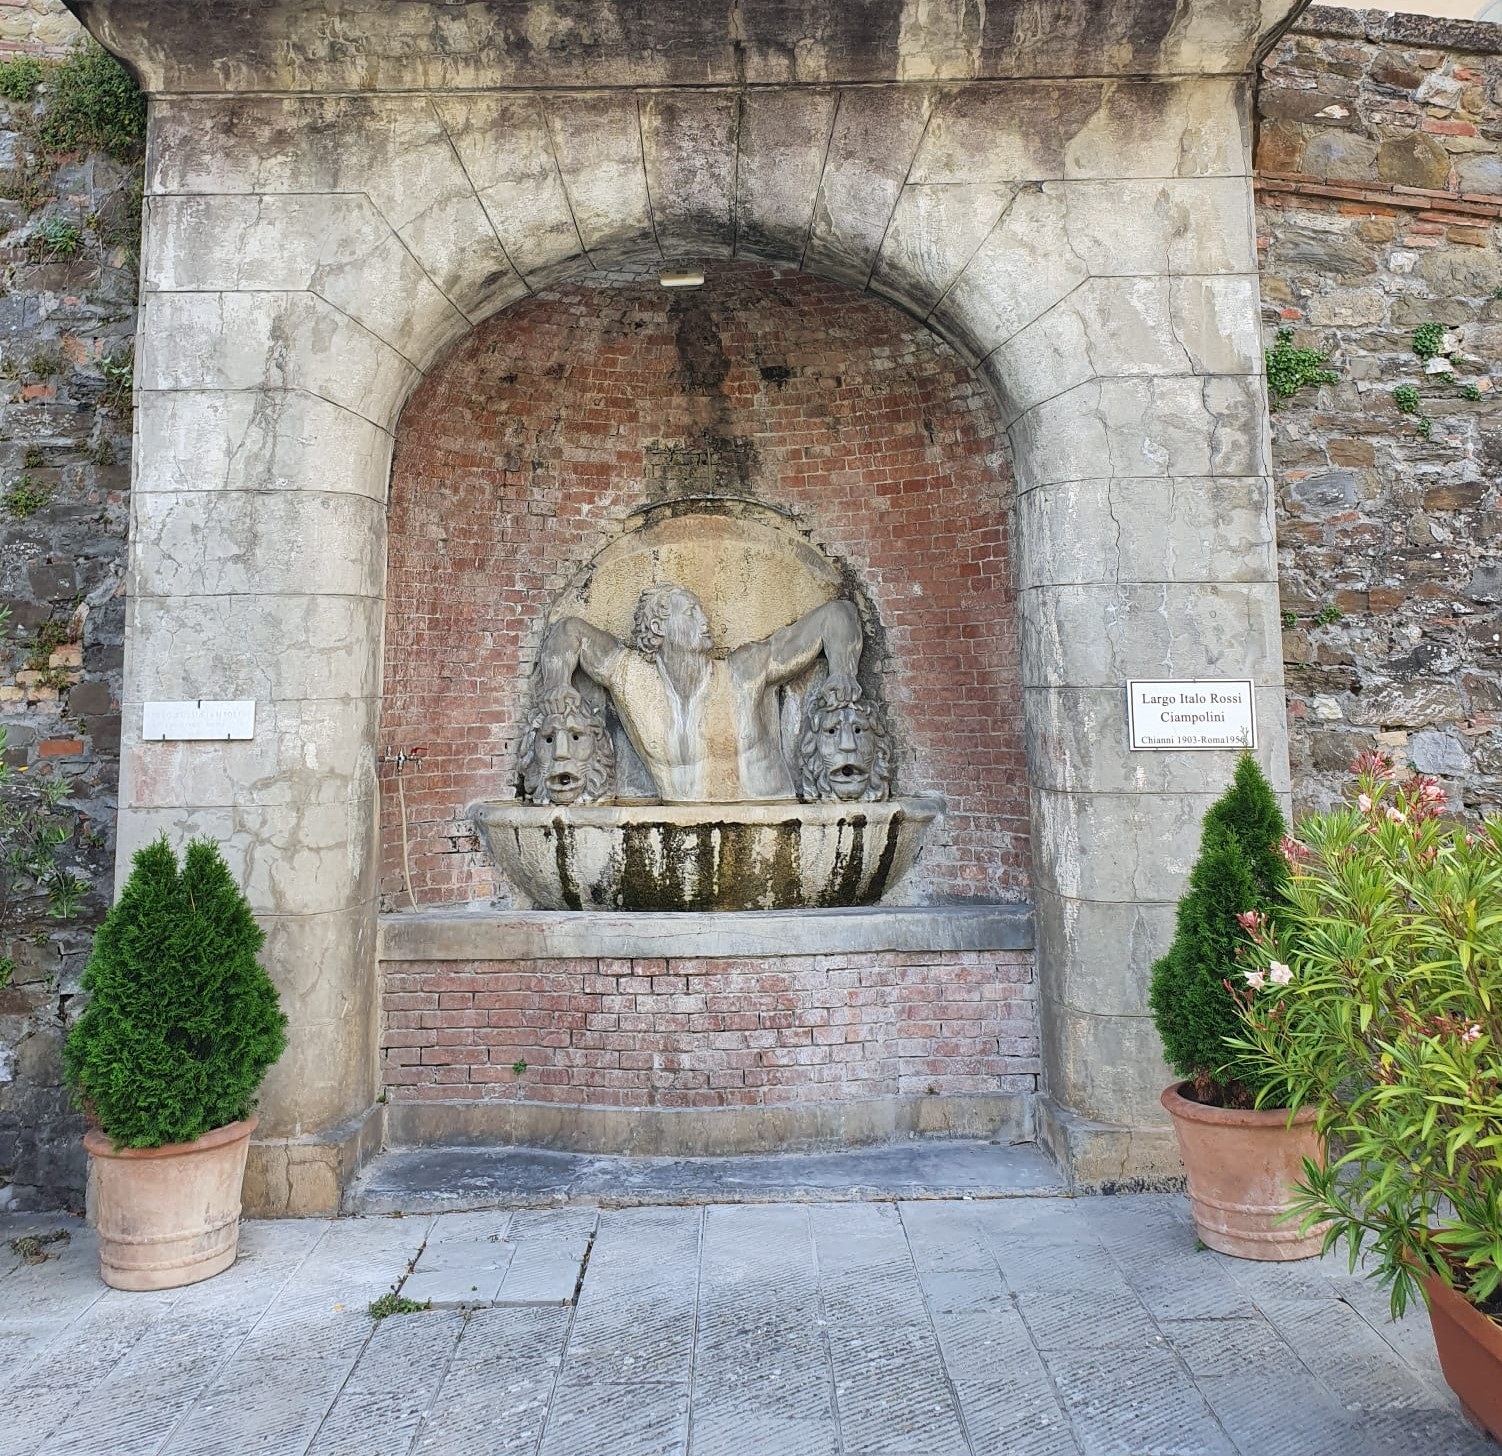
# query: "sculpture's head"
[[566, 756], [670, 614], [843, 751]]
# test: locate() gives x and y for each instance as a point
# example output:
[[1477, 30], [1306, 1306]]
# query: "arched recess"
[[1087, 243], [574, 420]]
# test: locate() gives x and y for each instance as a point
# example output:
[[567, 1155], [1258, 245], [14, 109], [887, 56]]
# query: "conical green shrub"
[[1240, 868], [182, 1021]]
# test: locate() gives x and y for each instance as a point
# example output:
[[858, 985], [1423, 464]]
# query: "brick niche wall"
[[522, 454], [711, 1033]]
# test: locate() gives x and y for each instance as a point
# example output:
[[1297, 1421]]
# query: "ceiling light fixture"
[[682, 278]]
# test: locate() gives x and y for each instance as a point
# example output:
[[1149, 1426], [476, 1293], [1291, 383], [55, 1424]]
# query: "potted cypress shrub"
[[181, 1024], [1241, 1159], [1389, 1026]]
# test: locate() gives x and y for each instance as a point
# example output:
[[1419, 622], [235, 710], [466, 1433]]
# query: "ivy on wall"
[[73, 131], [88, 102], [1290, 369]]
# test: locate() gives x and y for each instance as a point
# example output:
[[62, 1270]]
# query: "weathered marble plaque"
[[199, 718], [1191, 715]]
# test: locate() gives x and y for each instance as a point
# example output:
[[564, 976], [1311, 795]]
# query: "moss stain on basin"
[[849, 858], [709, 866]]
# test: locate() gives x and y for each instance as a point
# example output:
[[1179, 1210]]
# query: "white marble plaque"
[[1191, 715], [199, 718]]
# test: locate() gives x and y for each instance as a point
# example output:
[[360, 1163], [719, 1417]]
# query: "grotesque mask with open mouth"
[[843, 751], [566, 755]]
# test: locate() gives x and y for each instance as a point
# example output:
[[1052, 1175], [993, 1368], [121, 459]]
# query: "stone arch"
[[1087, 243], [979, 210]]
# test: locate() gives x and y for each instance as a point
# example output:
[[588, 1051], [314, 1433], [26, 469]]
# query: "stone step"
[[451, 1179]]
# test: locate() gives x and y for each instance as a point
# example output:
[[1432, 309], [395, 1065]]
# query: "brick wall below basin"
[[732, 1033]]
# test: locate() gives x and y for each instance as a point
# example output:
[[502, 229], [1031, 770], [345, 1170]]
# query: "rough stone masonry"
[[68, 266], [1380, 192]]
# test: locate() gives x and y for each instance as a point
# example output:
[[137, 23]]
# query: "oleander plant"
[[1372, 994]]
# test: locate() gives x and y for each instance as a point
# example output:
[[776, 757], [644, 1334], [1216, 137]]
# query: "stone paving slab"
[[496, 1259], [498, 1391], [549, 1260], [442, 1180], [463, 1262], [1022, 1327]]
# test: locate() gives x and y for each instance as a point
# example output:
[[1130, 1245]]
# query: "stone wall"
[[1380, 192], [1380, 189], [67, 308], [37, 28], [536, 441]]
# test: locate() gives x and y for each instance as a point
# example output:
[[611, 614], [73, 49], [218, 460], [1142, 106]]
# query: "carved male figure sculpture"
[[706, 728]]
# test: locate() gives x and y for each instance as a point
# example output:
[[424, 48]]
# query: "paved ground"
[[1013, 1327]]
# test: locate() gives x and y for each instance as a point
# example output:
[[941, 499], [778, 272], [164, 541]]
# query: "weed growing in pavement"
[[394, 1303], [32, 1248]]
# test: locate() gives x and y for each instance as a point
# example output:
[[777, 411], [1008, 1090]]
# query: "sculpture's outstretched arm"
[[833, 629], [570, 644]]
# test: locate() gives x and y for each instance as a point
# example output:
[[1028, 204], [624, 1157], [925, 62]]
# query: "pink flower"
[[1378, 765], [1431, 800], [1279, 974], [1252, 922], [1294, 852], [1471, 1033], [1255, 979], [1364, 803], [1395, 814]]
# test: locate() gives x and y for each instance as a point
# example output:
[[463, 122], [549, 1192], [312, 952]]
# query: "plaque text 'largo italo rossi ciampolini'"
[[1191, 715]]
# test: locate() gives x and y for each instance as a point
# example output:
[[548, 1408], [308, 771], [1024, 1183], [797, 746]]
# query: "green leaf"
[[1389, 1029]]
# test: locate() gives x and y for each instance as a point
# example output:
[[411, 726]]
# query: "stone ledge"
[[179, 46], [677, 1132], [1098, 1157], [531, 935], [448, 1179], [1431, 32], [305, 1177]]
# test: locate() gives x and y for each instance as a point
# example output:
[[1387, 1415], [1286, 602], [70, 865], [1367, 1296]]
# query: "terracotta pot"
[[1241, 1168], [1470, 1354], [168, 1216]]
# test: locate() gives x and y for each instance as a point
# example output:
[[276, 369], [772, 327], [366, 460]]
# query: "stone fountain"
[[664, 767]]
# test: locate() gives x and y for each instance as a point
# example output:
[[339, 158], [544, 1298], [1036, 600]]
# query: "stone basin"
[[779, 855]]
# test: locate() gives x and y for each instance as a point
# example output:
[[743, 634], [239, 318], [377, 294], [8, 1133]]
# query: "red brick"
[[965, 1018]]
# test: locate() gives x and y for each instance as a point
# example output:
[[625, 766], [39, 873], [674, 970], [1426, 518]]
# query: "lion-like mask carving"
[[843, 751], [566, 756]]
